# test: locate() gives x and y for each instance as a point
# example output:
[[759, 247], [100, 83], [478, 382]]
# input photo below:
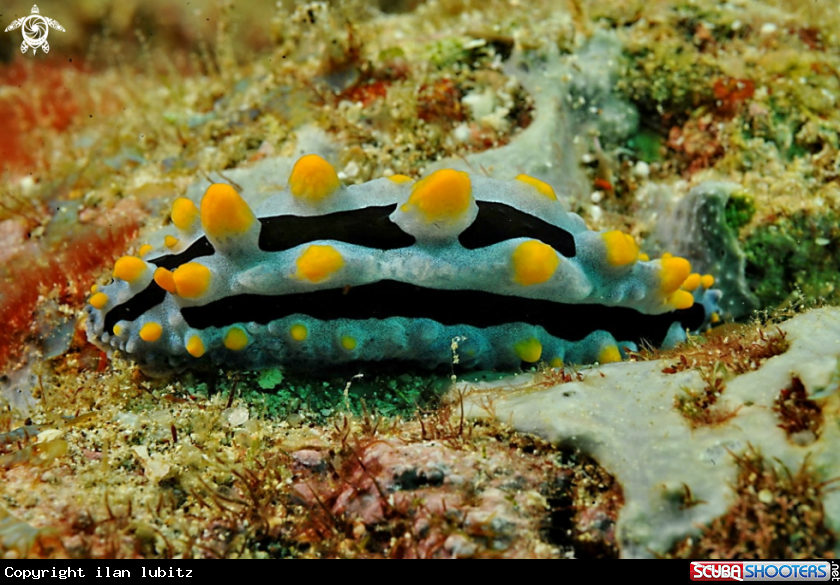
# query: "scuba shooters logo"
[[765, 571], [35, 30]]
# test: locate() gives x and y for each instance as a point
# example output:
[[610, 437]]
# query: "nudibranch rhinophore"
[[394, 269]]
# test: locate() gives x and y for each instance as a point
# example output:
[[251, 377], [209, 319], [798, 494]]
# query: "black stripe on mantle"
[[388, 298], [371, 227]]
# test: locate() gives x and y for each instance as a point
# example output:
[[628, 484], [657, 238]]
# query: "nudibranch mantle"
[[321, 274]]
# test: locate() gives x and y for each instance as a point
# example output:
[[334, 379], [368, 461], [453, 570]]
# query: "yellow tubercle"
[[224, 213], [556, 362], [348, 343], [184, 213], [542, 187], [129, 268], [318, 263], [673, 272], [151, 332], [666, 255], [117, 330], [94, 288], [529, 350], [707, 280], [236, 339], [622, 248], [400, 179], [681, 299], [299, 332], [313, 179], [99, 300], [692, 282], [644, 257], [715, 318], [170, 241], [609, 354], [195, 347], [445, 194], [192, 280], [144, 249], [165, 279], [534, 262]]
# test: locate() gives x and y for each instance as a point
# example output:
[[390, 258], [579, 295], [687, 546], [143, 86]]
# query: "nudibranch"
[[321, 274]]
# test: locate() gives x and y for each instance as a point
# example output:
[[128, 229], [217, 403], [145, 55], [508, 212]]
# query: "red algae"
[[367, 93], [440, 101], [42, 98], [731, 94], [69, 268]]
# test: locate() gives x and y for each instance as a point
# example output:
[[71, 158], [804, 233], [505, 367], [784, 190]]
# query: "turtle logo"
[[35, 30]]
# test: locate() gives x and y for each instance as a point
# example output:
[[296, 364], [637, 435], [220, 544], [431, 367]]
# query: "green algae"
[[647, 144], [448, 52], [673, 76], [270, 379], [298, 397], [796, 255], [739, 210]]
